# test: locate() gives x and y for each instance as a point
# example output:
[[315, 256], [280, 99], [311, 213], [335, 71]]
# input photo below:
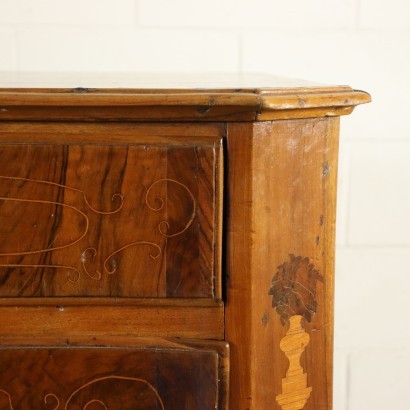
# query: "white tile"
[[394, 14], [243, 13], [70, 12], [297, 14], [379, 205], [340, 379], [375, 61], [7, 49], [380, 380], [186, 13], [10, 11], [319, 55], [128, 50], [372, 299]]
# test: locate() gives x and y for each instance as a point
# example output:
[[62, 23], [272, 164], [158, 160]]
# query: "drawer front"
[[113, 220], [174, 377]]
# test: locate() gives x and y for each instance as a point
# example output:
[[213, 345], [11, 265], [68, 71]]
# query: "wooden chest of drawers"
[[167, 247]]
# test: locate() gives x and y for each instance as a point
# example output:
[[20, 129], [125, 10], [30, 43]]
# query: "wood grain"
[[185, 376], [281, 192], [110, 133], [119, 221], [66, 321]]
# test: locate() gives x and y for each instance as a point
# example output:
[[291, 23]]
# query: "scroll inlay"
[[93, 251], [108, 220], [83, 257], [293, 294], [160, 201], [51, 396]]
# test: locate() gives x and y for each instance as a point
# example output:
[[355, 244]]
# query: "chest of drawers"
[[167, 246]]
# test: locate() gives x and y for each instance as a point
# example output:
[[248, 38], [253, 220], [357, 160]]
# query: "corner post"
[[281, 196]]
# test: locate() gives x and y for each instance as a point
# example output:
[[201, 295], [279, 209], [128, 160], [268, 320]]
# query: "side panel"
[[279, 305]]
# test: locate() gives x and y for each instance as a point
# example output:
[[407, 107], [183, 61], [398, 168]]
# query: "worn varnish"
[[167, 245]]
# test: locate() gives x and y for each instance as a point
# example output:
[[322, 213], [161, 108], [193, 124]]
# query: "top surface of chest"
[[138, 97]]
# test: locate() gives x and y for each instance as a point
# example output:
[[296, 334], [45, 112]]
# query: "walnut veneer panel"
[[109, 220], [181, 377]]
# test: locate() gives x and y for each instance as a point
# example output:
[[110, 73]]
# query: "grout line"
[[17, 50], [358, 14], [136, 13], [348, 190], [377, 140], [341, 203], [348, 377], [207, 28], [67, 25], [240, 53], [372, 247]]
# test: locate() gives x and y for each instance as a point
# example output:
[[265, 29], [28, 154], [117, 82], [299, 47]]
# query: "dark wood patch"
[[293, 288]]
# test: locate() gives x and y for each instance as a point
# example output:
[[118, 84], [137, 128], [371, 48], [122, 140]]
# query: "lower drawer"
[[152, 376]]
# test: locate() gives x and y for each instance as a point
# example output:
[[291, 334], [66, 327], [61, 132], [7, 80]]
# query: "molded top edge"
[[255, 95]]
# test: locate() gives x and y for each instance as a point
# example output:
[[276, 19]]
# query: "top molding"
[[137, 97]]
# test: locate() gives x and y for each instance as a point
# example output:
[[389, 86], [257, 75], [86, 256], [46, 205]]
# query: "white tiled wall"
[[377, 368], [124, 49], [73, 12], [363, 43]]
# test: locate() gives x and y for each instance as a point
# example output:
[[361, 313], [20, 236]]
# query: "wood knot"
[[80, 90]]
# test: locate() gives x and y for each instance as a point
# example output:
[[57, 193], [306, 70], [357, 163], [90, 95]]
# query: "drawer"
[[109, 215], [154, 376]]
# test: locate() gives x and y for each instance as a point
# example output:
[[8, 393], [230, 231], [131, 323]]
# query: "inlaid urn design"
[[293, 294]]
